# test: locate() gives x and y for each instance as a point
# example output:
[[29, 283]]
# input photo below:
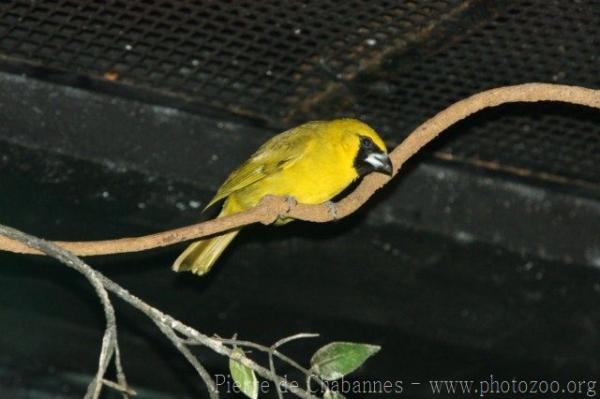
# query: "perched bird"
[[312, 163]]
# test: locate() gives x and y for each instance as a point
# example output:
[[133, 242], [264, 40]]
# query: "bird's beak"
[[381, 162]]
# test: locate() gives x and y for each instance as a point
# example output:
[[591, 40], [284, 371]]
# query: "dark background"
[[122, 118]]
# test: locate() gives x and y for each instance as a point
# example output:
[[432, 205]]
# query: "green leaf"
[[243, 376], [337, 359], [333, 395]]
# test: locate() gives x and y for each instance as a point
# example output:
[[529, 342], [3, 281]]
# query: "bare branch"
[[121, 378], [273, 352], [294, 337], [118, 387], [271, 208], [167, 324], [272, 369], [109, 340], [180, 345]]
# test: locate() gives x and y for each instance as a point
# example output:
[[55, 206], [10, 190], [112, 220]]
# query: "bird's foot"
[[291, 202], [332, 207]]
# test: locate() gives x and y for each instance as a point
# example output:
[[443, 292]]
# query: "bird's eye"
[[366, 142]]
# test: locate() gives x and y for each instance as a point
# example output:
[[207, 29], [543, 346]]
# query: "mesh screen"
[[392, 63]]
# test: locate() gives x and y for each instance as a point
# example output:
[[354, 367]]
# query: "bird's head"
[[364, 144]]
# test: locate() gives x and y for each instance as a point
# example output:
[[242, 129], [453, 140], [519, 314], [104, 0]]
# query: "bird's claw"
[[332, 207], [291, 202]]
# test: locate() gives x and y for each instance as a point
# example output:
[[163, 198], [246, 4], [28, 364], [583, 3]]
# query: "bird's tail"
[[201, 255]]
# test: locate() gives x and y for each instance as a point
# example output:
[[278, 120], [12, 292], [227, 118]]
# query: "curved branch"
[[270, 208]]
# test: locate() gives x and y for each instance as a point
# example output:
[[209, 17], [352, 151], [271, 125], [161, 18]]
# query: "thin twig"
[[168, 325], [284, 341], [274, 352], [109, 340], [121, 378], [106, 353], [272, 369], [213, 392], [196, 337], [271, 208], [118, 387], [294, 337], [217, 345]]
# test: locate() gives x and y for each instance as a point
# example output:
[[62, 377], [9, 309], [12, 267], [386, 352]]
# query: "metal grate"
[[252, 56], [550, 41], [391, 63]]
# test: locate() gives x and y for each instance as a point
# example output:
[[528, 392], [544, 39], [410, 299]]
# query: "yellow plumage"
[[312, 163]]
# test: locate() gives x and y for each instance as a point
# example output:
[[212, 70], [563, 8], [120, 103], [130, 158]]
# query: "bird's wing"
[[277, 154]]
